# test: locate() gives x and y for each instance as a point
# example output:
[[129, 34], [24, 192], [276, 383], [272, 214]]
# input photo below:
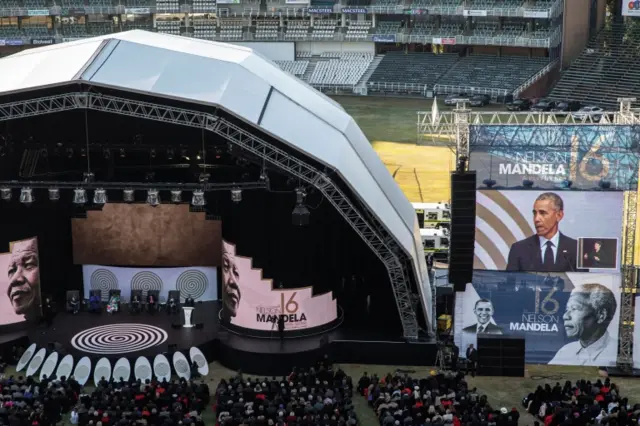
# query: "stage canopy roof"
[[242, 82]]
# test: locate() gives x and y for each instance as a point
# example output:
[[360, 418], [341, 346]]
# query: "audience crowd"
[[441, 399], [318, 396], [27, 402], [581, 403]]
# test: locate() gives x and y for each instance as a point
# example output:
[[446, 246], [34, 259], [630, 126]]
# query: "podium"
[[188, 312]]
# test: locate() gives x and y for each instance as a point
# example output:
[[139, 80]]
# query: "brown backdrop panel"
[[140, 235]]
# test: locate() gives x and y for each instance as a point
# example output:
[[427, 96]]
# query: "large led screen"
[[20, 282], [250, 301], [548, 231], [565, 319]]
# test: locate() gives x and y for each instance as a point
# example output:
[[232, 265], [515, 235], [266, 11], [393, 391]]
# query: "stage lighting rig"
[[236, 195], [54, 194], [99, 196], [122, 153], [5, 194], [198, 199], [79, 196], [176, 196], [128, 195], [26, 196], [203, 178], [300, 215], [170, 154], [153, 197]]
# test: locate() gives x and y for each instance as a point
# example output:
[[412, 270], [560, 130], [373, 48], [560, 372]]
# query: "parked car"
[[519, 105], [480, 100], [543, 105], [590, 110], [452, 99], [565, 107]]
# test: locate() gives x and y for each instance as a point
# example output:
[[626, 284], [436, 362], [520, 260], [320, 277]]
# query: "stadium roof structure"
[[240, 81]]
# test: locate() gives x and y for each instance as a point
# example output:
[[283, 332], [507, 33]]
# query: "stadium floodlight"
[[128, 195], [99, 196], [176, 196], [5, 194], [198, 198], [79, 196], [26, 196], [153, 197], [236, 195], [54, 194]]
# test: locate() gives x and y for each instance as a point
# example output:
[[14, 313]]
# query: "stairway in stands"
[[361, 87], [313, 61]]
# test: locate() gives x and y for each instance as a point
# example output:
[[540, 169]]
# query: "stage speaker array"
[[463, 228], [501, 356]]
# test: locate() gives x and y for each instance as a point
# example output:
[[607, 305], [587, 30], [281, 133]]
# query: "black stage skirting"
[[132, 335]]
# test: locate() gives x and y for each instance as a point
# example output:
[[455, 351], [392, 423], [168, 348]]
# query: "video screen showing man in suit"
[[485, 324], [588, 313], [548, 250], [598, 253]]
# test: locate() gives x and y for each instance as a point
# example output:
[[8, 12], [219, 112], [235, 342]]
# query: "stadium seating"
[[36, 30], [73, 3], [358, 30], [10, 31], [99, 28], [139, 3], [100, 3], [11, 4], [168, 27], [36, 4], [230, 30], [297, 68], [605, 71], [167, 6], [204, 6], [495, 75], [267, 30], [324, 29], [74, 30], [205, 29], [344, 69], [137, 25], [407, 72], [297, 29], [387, 28]]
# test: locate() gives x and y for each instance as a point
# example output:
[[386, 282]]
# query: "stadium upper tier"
[[606, 70]]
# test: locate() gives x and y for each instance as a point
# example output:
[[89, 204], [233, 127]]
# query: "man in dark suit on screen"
[[548, 250], [483, 310]]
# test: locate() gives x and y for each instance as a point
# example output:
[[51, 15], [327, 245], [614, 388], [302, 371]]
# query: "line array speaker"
[[463, 228]]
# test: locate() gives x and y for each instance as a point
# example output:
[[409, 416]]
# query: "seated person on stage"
[[136, 306], [189, 302], [95, 304], [74, 305], [114, 304], [152, 302], [172, 306]]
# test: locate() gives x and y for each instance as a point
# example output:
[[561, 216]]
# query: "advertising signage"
[[320, 10], [385, 38], [15, 42], [38, 12], [42, 41], [354, 10]]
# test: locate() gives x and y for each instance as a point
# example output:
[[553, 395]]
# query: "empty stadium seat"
[[297, 29], [324, 29], [99, 28], [267, 29], [399, 69], [344, 71], [168, 27], [231, 30], [73, 3], [385, 27], [100, 3], [205, 29], [36, 31], [297, 68], [74, 30], [358, 30], [167, 6], [204, 6]]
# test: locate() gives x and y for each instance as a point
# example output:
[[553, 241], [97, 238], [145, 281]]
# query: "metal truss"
[[629, 282], [442, 130], [371, 231], [160, 186]]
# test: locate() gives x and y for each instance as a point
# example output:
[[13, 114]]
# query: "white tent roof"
[[242, 82]]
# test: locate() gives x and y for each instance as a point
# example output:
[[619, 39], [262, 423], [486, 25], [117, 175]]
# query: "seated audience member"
[[74, 305], [95, 304], [303, 398], [152, 303], [172, 306], [136, 305]]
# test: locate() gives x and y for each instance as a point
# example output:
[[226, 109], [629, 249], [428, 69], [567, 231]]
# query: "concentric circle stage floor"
[[133, 335]]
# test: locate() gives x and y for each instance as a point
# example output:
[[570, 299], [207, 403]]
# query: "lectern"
[[188, 312]]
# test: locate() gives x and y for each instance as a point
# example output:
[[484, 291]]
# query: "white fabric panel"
[[319, 140], [35, 68], [191, 77], [274, 51], [197, 281]]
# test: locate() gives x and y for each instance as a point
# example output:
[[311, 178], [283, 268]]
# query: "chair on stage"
[[153, 300], [73, 302], [135, 304], [95, 301], [114, 302], [173, 302]]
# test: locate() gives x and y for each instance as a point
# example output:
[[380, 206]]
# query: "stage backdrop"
[[505, 217], [199, 282], [250, 301], [140, 235], [20, 282], [553, 312]]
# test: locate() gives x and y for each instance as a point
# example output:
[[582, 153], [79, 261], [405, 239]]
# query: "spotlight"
[[176, 196], [122, 153], [236, 195], [54, 194], [99, 196], [5, 194], [198, 198], [462, 164], [79, 196], [527, 183], [106, 153], [128, 195], [153, 197], [152, 154], [26, 196], [83, 152], [300, 214], [44, 153], [199, 156], [489, 183], [69, 152], [170, 154]]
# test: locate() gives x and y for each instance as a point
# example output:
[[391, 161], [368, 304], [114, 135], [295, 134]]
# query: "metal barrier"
[[448, 89]]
